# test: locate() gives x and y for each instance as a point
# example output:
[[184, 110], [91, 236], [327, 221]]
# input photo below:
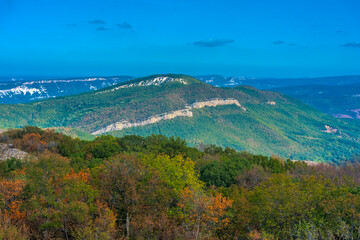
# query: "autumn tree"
[[138, 195], [203, 215], [12, 217], [59, 200]]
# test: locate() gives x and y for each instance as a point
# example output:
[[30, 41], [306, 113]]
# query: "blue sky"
[[253, 38]]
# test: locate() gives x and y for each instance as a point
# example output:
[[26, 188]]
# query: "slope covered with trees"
[[272, 123], [160, 188], [339, 101]]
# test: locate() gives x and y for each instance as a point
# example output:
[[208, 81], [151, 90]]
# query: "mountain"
[[337, 96], [243, 117], [32, 90], [340, 105], [339, 101], [270, 83]]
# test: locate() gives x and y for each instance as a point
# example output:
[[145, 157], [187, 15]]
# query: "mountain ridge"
[[273, 123]]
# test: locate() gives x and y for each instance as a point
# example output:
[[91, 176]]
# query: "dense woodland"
[[159, 188]]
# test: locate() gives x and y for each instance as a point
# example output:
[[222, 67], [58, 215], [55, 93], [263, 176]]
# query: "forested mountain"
[[243, 117], [337, 96], [160, 188]]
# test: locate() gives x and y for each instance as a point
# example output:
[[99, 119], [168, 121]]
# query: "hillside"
[[337, 96], [339, 101], [243, 118]]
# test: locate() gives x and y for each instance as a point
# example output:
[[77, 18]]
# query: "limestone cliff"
[[170, 115], [153, 119], [217, 102]]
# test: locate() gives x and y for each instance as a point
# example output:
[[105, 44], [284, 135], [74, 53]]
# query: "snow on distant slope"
[[26, 91], [20, 90]]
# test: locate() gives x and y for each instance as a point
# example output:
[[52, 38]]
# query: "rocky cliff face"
[[170, 115], [7, 151], [150, 120], [217, 102]]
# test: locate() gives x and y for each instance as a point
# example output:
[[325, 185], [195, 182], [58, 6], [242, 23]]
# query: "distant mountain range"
[[271, 83], [20, 91], [242, 117], [338, 96], [340, 101]]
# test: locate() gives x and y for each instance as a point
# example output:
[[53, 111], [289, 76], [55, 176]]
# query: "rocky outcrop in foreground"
[[8, 151]]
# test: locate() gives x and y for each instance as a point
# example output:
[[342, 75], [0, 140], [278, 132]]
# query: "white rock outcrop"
[[7, 151], [64, 80], [153, 119], [216, 102], [170, 115], [330, 129], [150, 82], [271, 103]]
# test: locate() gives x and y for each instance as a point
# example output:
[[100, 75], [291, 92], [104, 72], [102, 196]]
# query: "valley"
[[338, 101]]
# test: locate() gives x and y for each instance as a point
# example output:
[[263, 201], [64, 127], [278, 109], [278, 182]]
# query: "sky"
[[251, 38]]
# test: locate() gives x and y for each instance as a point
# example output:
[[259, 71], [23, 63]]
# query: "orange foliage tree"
[[31, 142], [202, 214], [10, 200], [63, 204]]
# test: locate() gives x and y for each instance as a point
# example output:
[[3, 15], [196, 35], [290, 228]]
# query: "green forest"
[[158, 187]]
